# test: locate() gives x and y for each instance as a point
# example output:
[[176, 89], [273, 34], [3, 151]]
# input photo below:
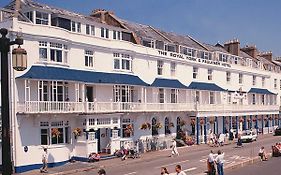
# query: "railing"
[[103, 107]]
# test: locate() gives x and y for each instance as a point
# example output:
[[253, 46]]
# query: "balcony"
[[34, 107]]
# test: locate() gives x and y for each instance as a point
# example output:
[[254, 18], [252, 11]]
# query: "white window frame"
[[122, 62], [210, 74], [240, 78], [173, 69], [254, 80], [104, 32], [263, 82], [275, 83], [195, 73], [212, 97], [228, 77], [43, 20], [160, 65], [161, 95], [174, 95], [89, 58]]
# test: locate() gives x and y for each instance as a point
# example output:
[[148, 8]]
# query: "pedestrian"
[[174, 148], [179, 171], [262, 154], [43, 169], [239, 141], [211, 163], [101, 172], [219, 161], [164, 171]]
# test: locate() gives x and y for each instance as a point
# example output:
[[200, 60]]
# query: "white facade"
[[47, 111]]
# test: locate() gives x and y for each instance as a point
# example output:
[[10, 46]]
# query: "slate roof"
[[168, 83]]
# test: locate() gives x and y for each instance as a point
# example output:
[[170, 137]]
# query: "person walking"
[[211, 163], [43, 169], [164, 171], [174, 149], [262, 154], [219, 161], [179, 171]]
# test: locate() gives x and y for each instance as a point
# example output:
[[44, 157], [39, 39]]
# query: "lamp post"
[[19, 63]]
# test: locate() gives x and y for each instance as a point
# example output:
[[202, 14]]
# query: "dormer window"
[[29, 15], [116, 35], [148, 43], [75, 26], [170, 47], [42, 18]]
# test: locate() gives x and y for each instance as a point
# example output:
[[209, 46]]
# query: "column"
[[230, 123], [216, 125], [237, 125], [257, 123], [223, 125], [245, 123], [251, 122], [197, 130], [262, 123], [279, 120], [205, 130], [268, 121], [273, 119]]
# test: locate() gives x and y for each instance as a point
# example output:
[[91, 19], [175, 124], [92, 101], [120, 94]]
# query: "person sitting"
[[262, 154], [94, 157]]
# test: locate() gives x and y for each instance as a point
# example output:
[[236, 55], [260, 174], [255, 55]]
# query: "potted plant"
[[211, 120], [129, 129], [241, 119], [202, 122], [192, 122], [145, 126], [171, 125], [77, 132], [55, 132], [182, 123], [158, 125], [254, 119]]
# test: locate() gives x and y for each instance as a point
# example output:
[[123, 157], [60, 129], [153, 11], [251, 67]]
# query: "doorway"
[[89, 94]]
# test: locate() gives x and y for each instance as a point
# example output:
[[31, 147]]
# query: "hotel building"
[[95, 83]]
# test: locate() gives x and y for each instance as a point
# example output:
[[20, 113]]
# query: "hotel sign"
[[186, 57]]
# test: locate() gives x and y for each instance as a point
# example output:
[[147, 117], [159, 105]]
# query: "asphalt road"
[[271, 167], [192, 159]]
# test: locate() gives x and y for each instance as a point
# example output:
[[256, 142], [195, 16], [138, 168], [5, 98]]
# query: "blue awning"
[[205, 86], [65, 74], [261, 91], [168, 83]]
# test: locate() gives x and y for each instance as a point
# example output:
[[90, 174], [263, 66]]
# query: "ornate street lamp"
[[19, 63]]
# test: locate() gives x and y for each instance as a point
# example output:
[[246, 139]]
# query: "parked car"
[[249, 136], [277, 131]]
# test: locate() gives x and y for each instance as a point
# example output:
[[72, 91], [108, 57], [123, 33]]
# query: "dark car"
[[277, 131]]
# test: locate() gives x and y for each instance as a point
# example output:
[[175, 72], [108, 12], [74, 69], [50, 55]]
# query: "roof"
[[261, 91], [215, 48], [205, 86], [168, 83], [65, 74]]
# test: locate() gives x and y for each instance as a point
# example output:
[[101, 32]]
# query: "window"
[[56, 52], [89, 58], [116, 35], [235, 60], [280, 85], [212, 98], [187, 51], [275, 83], [229, 97], [167, 126], [160, 67], [123, 93], [122, 61], [73, 26], [240, 78], [127, 128], [210, 74], [42, 18], [174, 95], [195, 72], [161, 96], [262, 99], [254, 80], [228, 77], [173, 69], [29, 15], [169, 47], [254, 99], [53, 91], [93, 30], [159, 45], [197, 96], [87, 29], [104, 33], [263, 81], [55, 133], [79, 27], [148, 43], [43, 51]]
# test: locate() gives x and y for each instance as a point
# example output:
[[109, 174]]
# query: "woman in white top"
[[174, 148]]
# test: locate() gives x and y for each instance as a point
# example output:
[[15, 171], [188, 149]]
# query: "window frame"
[[160, 65]]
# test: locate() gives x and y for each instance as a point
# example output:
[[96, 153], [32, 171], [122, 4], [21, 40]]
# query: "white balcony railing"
[[103, 107]]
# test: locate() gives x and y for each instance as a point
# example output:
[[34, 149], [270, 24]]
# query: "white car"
[[249, 136]]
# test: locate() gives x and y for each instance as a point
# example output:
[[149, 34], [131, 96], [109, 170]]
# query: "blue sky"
[[253, 22]]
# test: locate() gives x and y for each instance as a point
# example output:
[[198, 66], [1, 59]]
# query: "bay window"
[[52, 133]]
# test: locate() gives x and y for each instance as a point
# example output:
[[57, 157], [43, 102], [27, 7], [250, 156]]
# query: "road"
[[192, 159], [271, 167]]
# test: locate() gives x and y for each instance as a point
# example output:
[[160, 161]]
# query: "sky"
[[253, 22]]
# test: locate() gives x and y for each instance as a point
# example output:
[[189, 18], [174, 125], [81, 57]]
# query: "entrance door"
[[89, 93]]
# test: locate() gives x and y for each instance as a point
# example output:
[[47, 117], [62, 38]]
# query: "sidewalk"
[[71, 168]]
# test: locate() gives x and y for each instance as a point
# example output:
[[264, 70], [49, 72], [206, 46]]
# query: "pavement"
[[193, 160]]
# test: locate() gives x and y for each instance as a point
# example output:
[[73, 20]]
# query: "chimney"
[[266, 55], [232, 46], [99, 13], [250, 50]]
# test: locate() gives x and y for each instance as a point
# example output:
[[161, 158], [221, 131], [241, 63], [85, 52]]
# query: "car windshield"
[[246, 133]]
